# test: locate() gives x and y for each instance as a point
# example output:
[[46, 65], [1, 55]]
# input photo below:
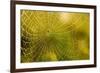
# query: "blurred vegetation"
[[54, 36]]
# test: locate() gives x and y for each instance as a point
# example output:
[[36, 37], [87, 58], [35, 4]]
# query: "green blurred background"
[[54, 36]]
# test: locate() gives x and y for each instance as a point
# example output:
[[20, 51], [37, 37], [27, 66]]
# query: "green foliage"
[[54, 36]]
